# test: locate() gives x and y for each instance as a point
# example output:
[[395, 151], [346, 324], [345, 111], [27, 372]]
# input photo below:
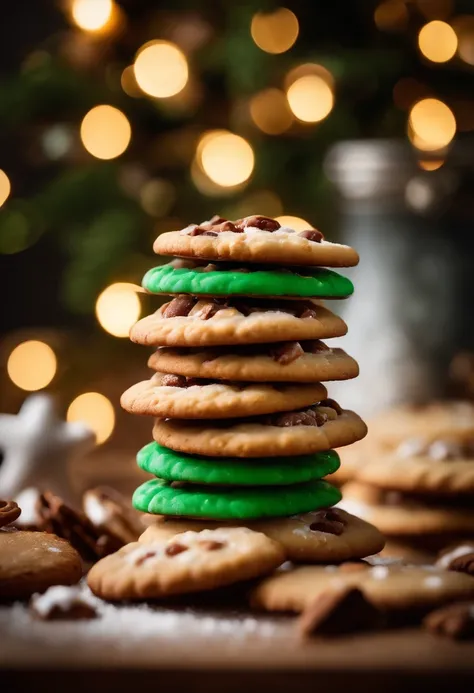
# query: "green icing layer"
[[160, 498], [177, 466], [316, 283]]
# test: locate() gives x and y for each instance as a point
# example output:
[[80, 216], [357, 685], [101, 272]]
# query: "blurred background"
[[122, 119]]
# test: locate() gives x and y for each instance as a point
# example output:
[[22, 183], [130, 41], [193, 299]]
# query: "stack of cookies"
[[244, 431], [416, 482]]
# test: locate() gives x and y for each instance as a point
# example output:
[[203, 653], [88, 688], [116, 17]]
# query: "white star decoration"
[[37, 447]]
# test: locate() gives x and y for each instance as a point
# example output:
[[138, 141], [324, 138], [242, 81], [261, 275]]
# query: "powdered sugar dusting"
[[433, 581]]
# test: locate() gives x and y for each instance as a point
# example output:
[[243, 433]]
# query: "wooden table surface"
[[225, 650]]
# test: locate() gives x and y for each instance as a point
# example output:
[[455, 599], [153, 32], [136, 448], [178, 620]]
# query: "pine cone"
[[55, 517]]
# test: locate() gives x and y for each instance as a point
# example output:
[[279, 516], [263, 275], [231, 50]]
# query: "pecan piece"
[[455, 621], [9, 512], [311, 235], [178, 307], [259, 222], [287, 352], [170, 380], [337, 611]]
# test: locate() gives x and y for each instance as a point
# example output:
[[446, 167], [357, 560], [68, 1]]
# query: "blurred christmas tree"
[[133, 117]]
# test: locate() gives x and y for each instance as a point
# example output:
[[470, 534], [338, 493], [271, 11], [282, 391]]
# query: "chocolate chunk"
[[209, 233], [328, 521], [197, 230], [178, 307], [144, 557], [315, 346], [307, 417], [287, 352], [170, 380], [211, 545], [226, 226], [455, 621], [331, 404], [259, 222], [207, 311], [9, 512], [338, 611], [308, 313], [312, 235], [175, 549], [216, 219]]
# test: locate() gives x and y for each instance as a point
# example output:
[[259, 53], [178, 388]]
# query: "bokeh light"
[[296, 223], [431, 125], [270, 112], [463, 25], [437, 41], [96, 411], [430, 164], [118, 308], [91, 15], [105, 132], [275, 32], [32, 365], [161, 69], [227, 159], [391, 15], [5, 187], [129, 83], [310, 98]]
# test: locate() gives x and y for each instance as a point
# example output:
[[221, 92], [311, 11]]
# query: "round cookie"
[[352, 458], [176, 396], [219, 280], [305, 362], [33, 561], [187, 321], [420, 474], [158, 497], [389, 587], [189, 562], [452, 421], [320, 536], [401, 515], [254, 239], [269, 436], [177, 466]]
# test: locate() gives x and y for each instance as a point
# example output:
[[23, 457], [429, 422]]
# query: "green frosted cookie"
[[221, 503], [315, 283], [272, 471]]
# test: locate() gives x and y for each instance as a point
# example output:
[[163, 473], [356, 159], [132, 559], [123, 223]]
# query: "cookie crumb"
[[339, 611], [61, 603]]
